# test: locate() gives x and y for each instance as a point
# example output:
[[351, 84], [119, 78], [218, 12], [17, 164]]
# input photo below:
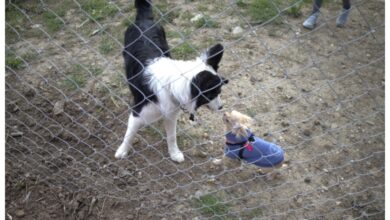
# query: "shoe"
[[311, 21], [343, 17]]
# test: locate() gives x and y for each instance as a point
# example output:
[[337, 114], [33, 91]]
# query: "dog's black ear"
[[214, 56]]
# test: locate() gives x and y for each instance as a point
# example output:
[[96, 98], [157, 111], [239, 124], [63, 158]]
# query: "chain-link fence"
[[317, 93]]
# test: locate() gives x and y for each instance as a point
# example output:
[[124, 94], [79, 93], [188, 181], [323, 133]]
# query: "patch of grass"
[[165, 12], [52, 22], [207, 43], [207, 22], [126, 22], [75, 80], [99, 9], [78, 75], [18, 62], [95, 71], [178, 34], [13, 16], [211, 205], [295, 10], [128, 8], [186, 17], [18, 24], [261, 10], [106, 46], [30, 56], [183, 51], [173, 34], [202, 8], [15, 20], [14, 62], [241, 4], [20, 185]]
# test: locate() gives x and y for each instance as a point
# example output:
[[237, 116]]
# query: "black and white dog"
[[162, 86]]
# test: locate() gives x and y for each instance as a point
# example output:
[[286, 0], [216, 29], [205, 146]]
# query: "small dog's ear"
[[214, 56], [248, 121], [243, 119], [239, 129]]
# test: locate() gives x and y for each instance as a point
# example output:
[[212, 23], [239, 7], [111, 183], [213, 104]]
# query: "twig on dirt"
[[98, 31], [256, 23], [27, 196], [113, 101], [101, 210], [17, 134], [9, 216], [93, 202], [82, 24], [39, 199], [137, 214]]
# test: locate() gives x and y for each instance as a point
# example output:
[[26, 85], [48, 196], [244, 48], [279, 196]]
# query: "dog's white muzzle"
[[215, 104]]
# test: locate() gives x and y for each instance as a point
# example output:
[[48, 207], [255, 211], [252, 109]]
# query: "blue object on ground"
[[253, 150]]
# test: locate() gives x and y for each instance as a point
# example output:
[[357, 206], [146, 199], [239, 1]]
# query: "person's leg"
[[346, 4], [343, 17], [311, 21], [316, 6]]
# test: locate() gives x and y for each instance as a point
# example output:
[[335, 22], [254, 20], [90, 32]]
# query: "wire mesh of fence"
[[317, 93]]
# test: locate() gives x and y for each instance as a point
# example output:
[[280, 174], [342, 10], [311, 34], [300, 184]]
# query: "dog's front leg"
[[170, 128], [132, 127]]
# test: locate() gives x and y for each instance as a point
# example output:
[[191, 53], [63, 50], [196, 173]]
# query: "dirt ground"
[[319, 94]]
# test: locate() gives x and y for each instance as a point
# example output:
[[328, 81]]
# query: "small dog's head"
[[237, 123]]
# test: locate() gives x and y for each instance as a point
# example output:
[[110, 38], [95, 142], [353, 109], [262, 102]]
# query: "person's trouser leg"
[[311, 21], [343, 17]]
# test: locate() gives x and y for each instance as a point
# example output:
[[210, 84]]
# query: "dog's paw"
[[177, 156], [121, 153]]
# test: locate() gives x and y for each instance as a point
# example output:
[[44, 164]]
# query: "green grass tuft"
[[75, 81], [14, 62], [183, 34], [241, 4], [262, 10], [13, 16], [295, 10], [106, 46], [211, 205], [126, 22], [95, 71], [207, 22], [99, 9], [15, 20], [79, 74], [183, 51], [166, 13], [52, 22]]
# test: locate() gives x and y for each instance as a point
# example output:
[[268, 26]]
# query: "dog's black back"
[[144, 40]]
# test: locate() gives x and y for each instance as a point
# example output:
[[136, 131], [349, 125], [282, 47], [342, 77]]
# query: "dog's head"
[[236, 122], [206, 85]]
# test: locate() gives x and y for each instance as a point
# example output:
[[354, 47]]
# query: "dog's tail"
[[144, 10]]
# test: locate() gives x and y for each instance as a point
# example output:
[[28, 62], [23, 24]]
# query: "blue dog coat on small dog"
[[253, 150]]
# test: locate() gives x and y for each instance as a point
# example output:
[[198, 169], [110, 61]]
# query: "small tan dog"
[[243, 145]]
